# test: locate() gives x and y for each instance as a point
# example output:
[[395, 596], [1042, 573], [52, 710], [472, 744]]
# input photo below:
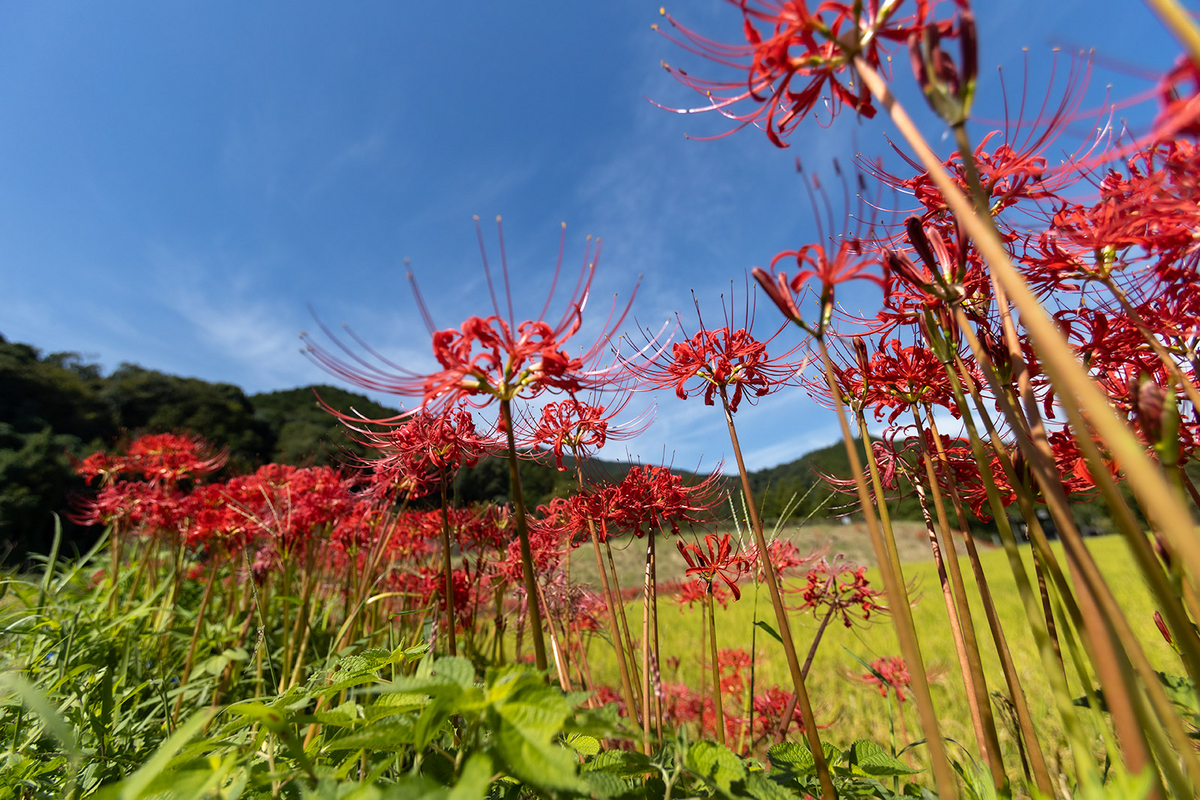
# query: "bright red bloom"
[[420, 451], [651, 498], [792, 53], [492, 357], [719, 562], [839, 588], [848, 263], [582, 428], [159, 458], [895, 676], [907, 377], [715, 359]]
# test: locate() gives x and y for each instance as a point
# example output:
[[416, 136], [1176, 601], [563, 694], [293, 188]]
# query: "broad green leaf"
[[526, 722], [583, 744], [871, 759], [716, 764], [475, 778], [793, 757], [605, 785], [760, 787], [383, 735], [623, 763]]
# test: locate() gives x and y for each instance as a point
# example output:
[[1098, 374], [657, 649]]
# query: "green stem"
[[518, 497]]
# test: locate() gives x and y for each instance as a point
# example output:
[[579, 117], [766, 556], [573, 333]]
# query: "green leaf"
[[623, 763], [774, 634], [475, 778], [38, 704], [583, 744], [380, 736], [133, 786], [760, 787], [606, 785], [526, 721], [716, 764], [795, 758], [871, 759]]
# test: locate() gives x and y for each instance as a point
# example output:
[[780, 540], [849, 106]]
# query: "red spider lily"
[[160, 458], [292, 507], [839, 588], [732, 663], [792, 53], [143, 508], [692, 592], [848, 263], [652, 498], [769, 709], [895, 676], [784, 557], [1179, 97], [417, 453], [715, 359], [582, 428], [719, 562], [493, 357], [907, 377], [546, 544]]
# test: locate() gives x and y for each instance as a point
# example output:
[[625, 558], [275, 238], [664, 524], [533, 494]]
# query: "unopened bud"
[[1148, 402], [920, 242]]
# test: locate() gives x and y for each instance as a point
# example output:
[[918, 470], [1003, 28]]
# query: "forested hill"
[[55, 407]]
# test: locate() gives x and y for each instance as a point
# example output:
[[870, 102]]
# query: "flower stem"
[[518, 497], [448, 570], [785, 631]]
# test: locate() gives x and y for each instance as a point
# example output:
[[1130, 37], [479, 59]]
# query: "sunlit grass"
[[853, 709]]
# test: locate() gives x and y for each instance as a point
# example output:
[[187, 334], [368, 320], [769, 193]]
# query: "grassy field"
[[850, 708]]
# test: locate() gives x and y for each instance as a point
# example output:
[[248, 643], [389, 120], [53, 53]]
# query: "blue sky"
[[179, 182]]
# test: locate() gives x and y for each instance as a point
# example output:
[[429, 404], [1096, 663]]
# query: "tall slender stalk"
[[981, 708], [447, 569], [781, 619], [905, 632], [518, 497], [716, 674]]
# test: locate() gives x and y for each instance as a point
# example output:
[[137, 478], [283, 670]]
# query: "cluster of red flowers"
[[1117, 272], [894, 675], [838, 588]]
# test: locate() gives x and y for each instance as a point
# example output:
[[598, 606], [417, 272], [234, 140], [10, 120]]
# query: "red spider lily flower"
[[839, 588], [493, 357], [715, 360], [907, 377], [160, 458], [769, 708], [652, 498], [1179, 98], [895, 676], [784, 557], [732, 664], [582, 427], [792, 53], [848, 263], [719, 562], [420, 451], [692, 592]]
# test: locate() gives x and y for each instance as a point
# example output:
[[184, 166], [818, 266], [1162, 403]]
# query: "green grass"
[[852, 709]]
